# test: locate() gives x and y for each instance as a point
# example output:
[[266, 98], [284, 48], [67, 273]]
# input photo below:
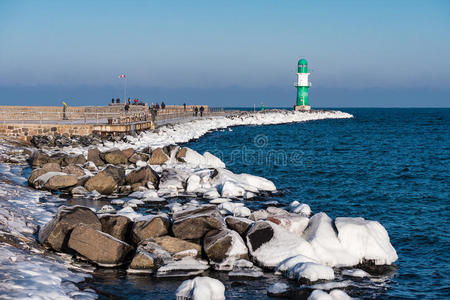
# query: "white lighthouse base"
[[302, 108]]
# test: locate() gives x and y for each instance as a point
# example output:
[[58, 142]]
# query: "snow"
[[278, 288], [333, 295], [238, 247], [44, 178], [187, 266], [355, 273], [300, 208], [201, 288], [128, 212], [311, 271], [184, 132]]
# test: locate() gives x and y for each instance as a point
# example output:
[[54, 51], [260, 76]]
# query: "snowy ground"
[[26, 271]]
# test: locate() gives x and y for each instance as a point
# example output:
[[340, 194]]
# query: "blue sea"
[[389, 165]]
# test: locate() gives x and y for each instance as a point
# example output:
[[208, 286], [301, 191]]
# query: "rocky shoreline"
[[210, 228]]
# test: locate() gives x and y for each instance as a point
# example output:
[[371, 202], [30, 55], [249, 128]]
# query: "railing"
[[48, 117]]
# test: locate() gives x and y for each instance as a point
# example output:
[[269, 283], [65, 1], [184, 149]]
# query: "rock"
[[194, 223], [106, 209], [134, 158], [98, 246], [220, 245], [143, 262], [293, 223], [60, 182], [90, 166], [74, 170], [57, 158], [128, 152], [149, 226], [143, 175], [118, 173], [34, 175], [186, 253], [62, 141], [174, 245], [158, 157], [116, 225], [116, 157], [182, 268], [79, 191], [259, 215], [162, 257], [260, 233], [51, 167], [73, 160], [94, 156], [181, 154], [55, 233], [39, 159], [300, 208], [41, 141], [232, 190], [102, 183], [278, 290], [201, 288], [240, 225]]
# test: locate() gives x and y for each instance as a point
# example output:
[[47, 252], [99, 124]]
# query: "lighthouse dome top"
[[302, 62]]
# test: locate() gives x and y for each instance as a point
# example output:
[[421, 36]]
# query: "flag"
[[122, 76]]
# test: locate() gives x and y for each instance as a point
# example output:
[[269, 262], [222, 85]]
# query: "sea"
[[385, 164]]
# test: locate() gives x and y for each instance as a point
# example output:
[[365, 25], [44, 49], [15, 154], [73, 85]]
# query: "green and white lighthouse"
[[302, 86]]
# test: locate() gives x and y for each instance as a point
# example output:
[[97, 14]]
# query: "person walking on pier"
[[163, 105], [184, 106], [195, 111], [202, 109], [157, 106], [127, 107]]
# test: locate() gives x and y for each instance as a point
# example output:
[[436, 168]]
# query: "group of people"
[[196, 110]]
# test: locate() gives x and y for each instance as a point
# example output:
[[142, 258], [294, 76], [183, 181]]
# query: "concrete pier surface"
[[25, 121]]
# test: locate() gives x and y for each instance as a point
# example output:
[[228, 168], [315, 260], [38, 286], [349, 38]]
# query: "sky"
[[225, 53]]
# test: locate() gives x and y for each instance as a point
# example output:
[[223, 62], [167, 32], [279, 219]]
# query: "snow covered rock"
[[55, 233], [187, 266], [223, 244], [310, 271], [278, 290], [158, 157], [142, 262], [300, 208], [333, 295], [97, 246], [201, 288], [240, 225]]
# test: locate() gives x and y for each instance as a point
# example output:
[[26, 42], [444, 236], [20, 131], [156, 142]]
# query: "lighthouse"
[[302, 86]]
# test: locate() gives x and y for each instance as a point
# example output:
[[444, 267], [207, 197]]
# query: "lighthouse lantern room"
[[302, 86]]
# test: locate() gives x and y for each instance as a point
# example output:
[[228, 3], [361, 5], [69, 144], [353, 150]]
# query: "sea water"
[[388, 165]]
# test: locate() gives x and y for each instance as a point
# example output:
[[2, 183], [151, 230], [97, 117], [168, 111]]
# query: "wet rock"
[[102, 183], [220, 245], [194, 223], [55, 233], [161, 256], [62, 141], [128, 152], [74, 170], [240, 225], [118, 173], [143, 175], [117, 226], [98, 246], [260, 233], [34, 175], [175, 245], [149, 226], [181, 154], [41, 141], [51, 167], [79, 191], [57, 158], [158, 157], [134, 158], [94, 156], [116, 157]]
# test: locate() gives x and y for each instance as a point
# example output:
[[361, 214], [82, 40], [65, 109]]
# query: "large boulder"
[[55, 233], [73, 160], [149, 226], [116, 157], [220, 245], [98, 247], [194, 223], [116, 225], [175, 245], [35, 174], [74, 170], [102, 183], [158, 157], [51, 167], [60, 182], [94, 156], [143, 175], [57, 158], [118, 173], [142, 262], [240, 225], [201, 288], [39, 159]]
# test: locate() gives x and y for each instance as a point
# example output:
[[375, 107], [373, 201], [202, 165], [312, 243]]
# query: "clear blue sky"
[[232, 52]]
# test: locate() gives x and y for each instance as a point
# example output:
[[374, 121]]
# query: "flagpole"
[[125, 90]]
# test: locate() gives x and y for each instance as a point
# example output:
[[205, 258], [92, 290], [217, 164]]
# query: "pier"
[[26, 121]]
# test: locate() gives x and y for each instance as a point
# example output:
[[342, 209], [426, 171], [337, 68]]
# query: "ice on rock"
[[339, 295], [117, 202], [187, 266], [236, 185], [193, 183], [220, 200], [300, 208], [355, 273], [212, 161], [128, 212], [278, 288], [44, 178], [141, 163], [211, 194], [311, 271], [106, 209], [232, 190], [292, 261], [366, 240], [201, 288]]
